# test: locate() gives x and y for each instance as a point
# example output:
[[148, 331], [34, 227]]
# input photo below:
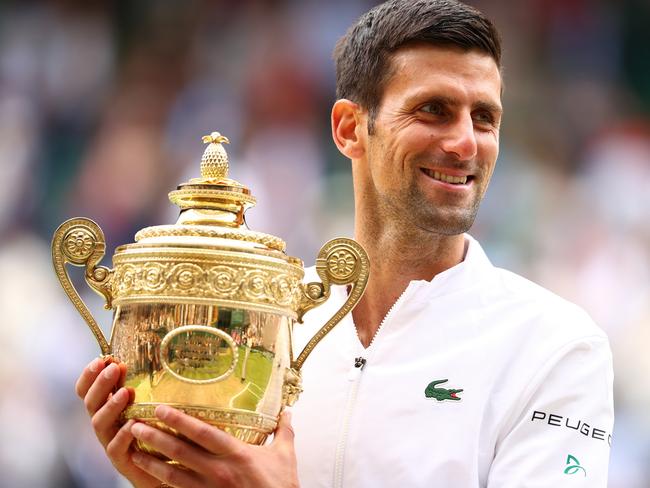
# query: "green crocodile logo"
[[440, 394]]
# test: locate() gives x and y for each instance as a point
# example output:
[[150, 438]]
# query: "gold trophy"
[[204, 309]]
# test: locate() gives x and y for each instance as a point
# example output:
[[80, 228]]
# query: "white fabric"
[[536, 375]]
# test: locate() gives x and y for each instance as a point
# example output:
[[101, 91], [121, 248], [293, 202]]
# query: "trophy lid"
[[213, 205], [209, 255]]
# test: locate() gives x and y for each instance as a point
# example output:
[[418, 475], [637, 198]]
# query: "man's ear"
[[349, 128]]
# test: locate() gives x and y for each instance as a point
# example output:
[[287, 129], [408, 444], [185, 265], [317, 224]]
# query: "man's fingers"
[[101, 388], [88, 376], [118, 448], [205, 435], [172, 447], [169, 474], [122, 379], [284, 432], [105, 420]]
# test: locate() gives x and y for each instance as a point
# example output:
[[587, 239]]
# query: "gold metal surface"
[[204, 309], [81, 242], [198, 351], [210, 275], [341, 262], [172, 362], [214, 163], [267, 240]]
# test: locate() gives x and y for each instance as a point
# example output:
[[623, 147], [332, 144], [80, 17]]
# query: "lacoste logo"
[[573, 466], [440, 394]]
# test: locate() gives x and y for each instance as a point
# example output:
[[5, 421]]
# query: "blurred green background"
[[102, 109]]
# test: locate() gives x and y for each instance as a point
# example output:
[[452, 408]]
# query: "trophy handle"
[[80, 241], [340, 261]]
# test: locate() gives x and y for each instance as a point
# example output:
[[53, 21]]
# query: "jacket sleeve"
[[560, 432]]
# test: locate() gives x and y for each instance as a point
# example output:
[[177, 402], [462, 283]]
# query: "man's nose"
[[460, 139]]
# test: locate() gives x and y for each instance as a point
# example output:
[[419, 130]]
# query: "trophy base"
[[250, 427]]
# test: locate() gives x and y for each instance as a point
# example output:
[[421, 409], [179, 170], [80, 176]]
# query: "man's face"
[[436, 137]]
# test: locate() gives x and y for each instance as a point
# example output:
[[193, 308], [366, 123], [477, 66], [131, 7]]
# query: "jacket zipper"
[[355, 377]]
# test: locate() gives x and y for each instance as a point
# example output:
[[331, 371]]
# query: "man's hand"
[[216, 459], [95, 386]]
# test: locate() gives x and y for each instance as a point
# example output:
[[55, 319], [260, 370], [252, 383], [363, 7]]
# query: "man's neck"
[[396, 259]]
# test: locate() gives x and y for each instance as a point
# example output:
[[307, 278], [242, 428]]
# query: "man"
[[450, 372]]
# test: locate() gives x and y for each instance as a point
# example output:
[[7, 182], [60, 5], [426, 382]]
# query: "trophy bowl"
[[203, 310]]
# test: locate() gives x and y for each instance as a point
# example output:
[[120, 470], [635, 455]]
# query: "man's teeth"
[[456, 180]]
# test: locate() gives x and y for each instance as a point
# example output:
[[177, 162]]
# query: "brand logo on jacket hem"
[[573, 466], [440, 394]]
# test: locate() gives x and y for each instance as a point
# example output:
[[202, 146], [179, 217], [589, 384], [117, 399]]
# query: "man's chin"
[[447, 225]]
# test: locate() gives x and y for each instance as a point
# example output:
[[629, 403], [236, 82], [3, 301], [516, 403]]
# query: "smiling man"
[[450, 372]]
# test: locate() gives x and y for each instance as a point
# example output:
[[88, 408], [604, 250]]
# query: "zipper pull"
[[355, 373]]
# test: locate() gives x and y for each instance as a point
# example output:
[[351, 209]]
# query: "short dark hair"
[[363, 54]]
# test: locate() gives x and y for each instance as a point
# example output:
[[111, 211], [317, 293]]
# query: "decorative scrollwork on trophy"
[[135, 280], [81, 242], [340, 262], [292, 387]]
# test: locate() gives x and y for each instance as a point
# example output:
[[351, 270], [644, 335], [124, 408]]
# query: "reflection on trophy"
[[204, 308]]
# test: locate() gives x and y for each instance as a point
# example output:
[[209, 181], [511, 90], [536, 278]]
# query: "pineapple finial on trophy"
[[214, 163], [213, 199]]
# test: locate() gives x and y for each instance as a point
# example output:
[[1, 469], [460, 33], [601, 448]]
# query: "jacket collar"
[[472, 270], [475, 268]]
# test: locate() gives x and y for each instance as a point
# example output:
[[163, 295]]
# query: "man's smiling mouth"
[[445, 178]]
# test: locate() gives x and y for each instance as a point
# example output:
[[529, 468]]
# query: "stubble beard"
[[411, 212], [423, 216]]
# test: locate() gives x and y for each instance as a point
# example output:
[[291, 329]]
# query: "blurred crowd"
[[102, 109]]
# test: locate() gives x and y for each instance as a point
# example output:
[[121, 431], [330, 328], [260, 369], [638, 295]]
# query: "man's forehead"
[[420, 67]]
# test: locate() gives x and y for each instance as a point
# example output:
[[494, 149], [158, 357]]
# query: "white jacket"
[[535, 409]]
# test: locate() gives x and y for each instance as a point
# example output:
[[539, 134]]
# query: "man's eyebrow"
[[489, 107], [441, 99]]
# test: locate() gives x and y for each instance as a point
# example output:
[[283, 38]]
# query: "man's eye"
[[432, 108], [484, 117]]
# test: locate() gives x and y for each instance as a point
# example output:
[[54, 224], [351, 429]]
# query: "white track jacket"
[[478, 378]]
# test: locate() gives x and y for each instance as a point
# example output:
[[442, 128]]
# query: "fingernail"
[[137, 429], [137, 457], [162, 412], [120, 395], [94, 365], [110, 372]]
